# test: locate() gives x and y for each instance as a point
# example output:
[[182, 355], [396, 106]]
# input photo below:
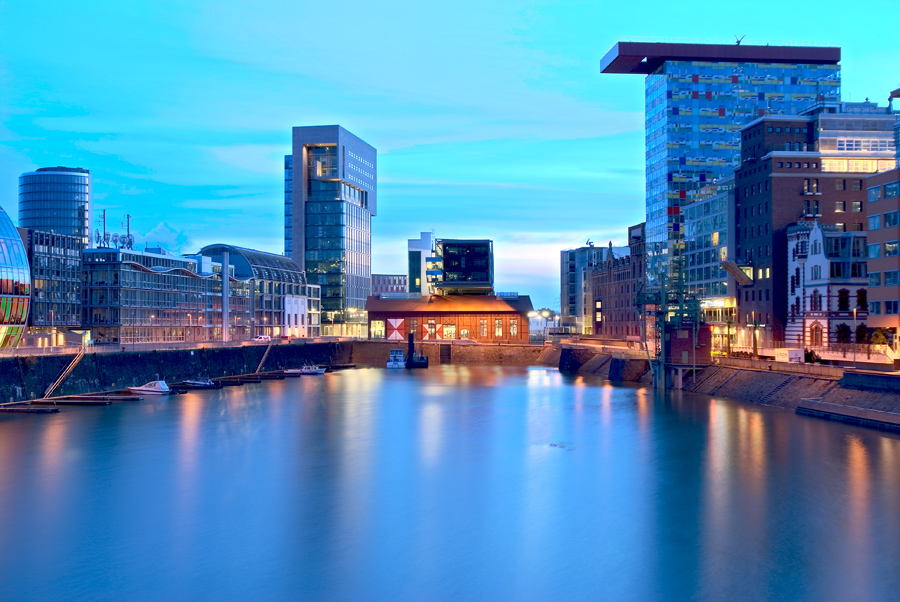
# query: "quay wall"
[[753, 381], [23, 378], [770, 383]]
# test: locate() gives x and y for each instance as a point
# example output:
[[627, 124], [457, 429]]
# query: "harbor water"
[[452, 483]]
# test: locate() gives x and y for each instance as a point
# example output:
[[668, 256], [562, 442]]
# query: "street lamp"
[[546, 314], [854, 338], [190, 326], [152, 332], [352, 311]]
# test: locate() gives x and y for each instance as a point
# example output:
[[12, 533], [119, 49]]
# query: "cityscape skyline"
[[175, 142]]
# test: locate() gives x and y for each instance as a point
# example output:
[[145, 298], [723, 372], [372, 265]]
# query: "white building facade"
[[827, 286]]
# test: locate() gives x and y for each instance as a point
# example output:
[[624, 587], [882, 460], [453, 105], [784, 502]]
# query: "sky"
[[491, 119]]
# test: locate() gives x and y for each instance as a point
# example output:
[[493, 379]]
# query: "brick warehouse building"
[[484, 318], [614, 285], [809, 166]]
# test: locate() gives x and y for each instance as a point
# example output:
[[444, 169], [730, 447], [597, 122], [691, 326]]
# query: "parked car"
[[263, 338]]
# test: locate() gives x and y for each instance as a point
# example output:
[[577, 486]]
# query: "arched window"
[[843, 300], [815, 335]]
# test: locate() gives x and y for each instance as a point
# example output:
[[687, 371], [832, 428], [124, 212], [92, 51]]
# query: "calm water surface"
[[455, 483]]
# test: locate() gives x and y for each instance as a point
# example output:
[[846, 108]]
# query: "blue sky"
[[491, 118]]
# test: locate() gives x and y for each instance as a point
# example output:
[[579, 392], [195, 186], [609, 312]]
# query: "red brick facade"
[[481, 318]]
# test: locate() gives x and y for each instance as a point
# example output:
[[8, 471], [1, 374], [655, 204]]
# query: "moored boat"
[[396, 359], [203, 383], [312, 369], [154, 387]]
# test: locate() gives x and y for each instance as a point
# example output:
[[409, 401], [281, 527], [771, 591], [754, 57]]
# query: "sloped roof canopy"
[[450, 303]]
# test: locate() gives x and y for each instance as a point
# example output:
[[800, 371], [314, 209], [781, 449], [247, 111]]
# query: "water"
[[454, 483]]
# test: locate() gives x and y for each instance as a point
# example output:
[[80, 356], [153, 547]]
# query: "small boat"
[[396, 359], [203, 383], [154, 387], [311, 369]]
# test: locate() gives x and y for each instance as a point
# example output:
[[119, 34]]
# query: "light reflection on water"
[[450, 483]]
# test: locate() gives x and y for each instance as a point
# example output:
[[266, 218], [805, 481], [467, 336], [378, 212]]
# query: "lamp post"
[[546, 314], [753, 334], [352, 311], [728, 338], [152, 332], [854, 338], [132, 331], [190, 326]]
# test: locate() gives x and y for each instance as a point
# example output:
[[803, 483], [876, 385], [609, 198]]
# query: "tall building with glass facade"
[[697, 99], [58, 200], [15, 284], [330, 199]]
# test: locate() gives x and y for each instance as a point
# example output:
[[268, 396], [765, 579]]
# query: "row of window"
[[891, 307], [889, 220], [788, 130], [891, 190], [891, 248], [891, 278]]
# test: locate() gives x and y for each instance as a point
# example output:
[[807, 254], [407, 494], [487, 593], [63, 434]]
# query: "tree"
[[878, 337], [861, 333]]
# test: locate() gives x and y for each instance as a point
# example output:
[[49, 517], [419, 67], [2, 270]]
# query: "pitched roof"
[[450, 303]]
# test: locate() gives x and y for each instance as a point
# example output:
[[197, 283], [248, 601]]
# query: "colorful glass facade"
[[694, 113], [15, 284]]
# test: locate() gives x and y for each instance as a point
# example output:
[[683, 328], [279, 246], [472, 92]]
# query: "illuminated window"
[[498, 327]]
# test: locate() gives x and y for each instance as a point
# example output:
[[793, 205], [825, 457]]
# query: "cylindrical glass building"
[[57, 199], [15, 284]]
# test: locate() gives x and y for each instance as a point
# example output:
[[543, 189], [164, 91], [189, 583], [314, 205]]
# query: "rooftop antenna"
[[738, 40], [127, 239]]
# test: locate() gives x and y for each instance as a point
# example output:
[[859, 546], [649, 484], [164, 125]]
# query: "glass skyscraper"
[[330, 199], [15, 284], [697, 99], [57, 199]]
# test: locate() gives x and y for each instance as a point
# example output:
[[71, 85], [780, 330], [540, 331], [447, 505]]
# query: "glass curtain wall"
[[57, 200], [338, 238], [694, 113]]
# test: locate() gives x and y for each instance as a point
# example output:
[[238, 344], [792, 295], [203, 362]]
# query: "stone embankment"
[[768, 383], [584, 360], [785, 390], [782, 385], [23, 378]]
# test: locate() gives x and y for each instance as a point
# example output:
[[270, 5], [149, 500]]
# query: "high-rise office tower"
[[57, 199], [330, 199], [697, 99]]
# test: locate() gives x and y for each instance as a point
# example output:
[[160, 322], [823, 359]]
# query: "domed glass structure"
[[15, 284]]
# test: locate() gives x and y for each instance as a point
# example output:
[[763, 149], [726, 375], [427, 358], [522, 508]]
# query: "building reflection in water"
[[372, 484]]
